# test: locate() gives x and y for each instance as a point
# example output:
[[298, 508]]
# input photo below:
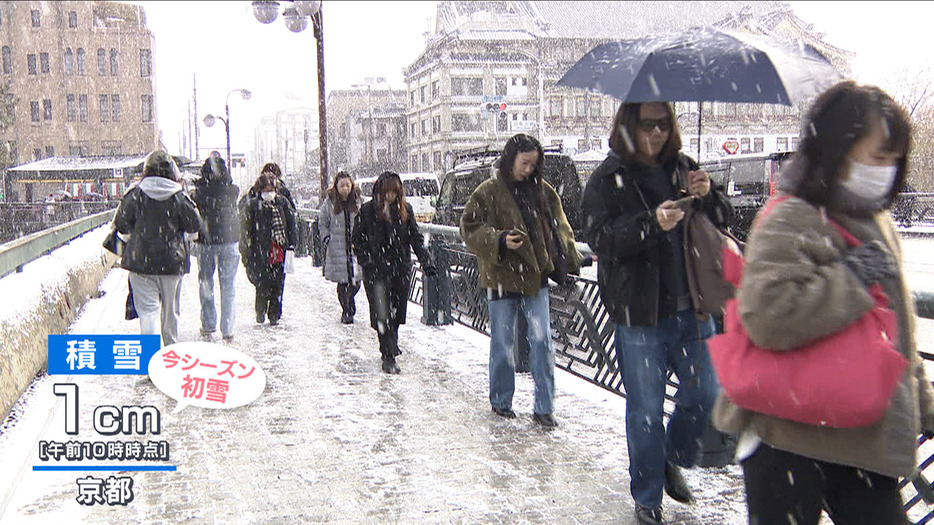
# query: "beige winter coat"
[[795, 289]]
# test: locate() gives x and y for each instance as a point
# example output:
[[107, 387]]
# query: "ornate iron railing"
[[582, 335]]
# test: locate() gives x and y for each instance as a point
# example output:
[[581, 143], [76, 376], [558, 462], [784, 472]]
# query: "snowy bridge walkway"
[[332, 439]]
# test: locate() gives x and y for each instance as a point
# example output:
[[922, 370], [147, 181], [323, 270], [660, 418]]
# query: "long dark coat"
[[217, 201], [256, 234], [620, 226], [383, 249]]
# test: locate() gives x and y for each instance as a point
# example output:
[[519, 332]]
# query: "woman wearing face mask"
[[634, 226], [267, 230], [516, 226], [335, 222], [384, 235], [800, 283]]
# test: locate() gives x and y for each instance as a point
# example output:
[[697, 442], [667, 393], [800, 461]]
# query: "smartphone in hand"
[[684, 203]]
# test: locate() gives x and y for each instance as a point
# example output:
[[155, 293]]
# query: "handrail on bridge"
[[18, 252]]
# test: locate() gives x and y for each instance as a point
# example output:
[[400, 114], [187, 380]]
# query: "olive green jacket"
[[795, 289], [491, 211]]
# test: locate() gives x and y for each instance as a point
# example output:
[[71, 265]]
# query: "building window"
[[49, 151], [794, 143], [556, 107], [781, 144], [745, 145], [114, 71], [424, 93], [412, 97], [465, 122], [81, 68], [71, 112], [69, 62], [105, 108], [79, 150], [758, 145], [7, 60], [499, 86], [72, 19], [31, 65], [115, 106], [467, 87], [147, 108], [102, 62], [414, 130], [436, 159], [414, 161], [694, 144], [596, 107], [435, 90], [425, 165], [436, 124], [34, 111], [382, 156], [34, 14], [145, 62], [47, 109], [36, 154], [44, 62], [581, 107], [381, 129], [424, 126], [83, 108], [111, 149]]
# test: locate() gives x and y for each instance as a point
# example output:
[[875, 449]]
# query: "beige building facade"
[[81, 77], [489, 70]]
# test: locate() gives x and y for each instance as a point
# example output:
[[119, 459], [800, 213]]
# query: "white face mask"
[[269, 195], [870, 182]]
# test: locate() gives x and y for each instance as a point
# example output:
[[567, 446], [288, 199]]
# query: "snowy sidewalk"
[[332, 439]]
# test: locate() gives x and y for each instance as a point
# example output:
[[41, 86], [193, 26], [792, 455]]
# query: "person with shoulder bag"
[[154, 217], [335, 224], [267, 231], [634, 205], [817, 262], [515, 225]]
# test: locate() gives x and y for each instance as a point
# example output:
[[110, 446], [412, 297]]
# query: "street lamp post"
[[210, 119], [296, 17]]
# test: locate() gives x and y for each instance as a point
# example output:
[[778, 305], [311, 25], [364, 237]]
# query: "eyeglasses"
[[648, 124]]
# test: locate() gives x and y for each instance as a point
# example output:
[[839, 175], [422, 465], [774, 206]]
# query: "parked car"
[[421, 191], [474, 167], [749, 181]]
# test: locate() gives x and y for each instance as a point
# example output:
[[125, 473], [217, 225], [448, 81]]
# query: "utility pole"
[[194, 85]]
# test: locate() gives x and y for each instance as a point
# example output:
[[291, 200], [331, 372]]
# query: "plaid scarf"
[[278, 225]]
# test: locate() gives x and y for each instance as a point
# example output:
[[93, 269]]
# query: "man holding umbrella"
[[633, 206]]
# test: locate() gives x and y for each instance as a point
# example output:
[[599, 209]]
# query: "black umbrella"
[[702, 64]]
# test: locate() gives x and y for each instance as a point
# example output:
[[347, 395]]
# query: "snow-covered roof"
[[82, 163]]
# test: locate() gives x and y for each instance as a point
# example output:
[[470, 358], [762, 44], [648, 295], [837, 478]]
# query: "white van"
[[420, 191]]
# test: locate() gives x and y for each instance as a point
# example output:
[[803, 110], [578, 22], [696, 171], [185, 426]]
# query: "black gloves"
[[870, 262], [430, 271]]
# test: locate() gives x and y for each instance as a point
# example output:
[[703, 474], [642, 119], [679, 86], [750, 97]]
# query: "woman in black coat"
[[267, 231], [383, 234]]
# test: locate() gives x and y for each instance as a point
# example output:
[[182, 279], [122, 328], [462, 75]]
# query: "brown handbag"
[[704, 243]]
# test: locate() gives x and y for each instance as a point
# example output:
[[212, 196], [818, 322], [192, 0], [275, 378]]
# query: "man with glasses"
[[633, 208]]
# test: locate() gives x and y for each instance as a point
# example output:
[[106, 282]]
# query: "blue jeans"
[[225, 258], [502, 350], [645, 354]]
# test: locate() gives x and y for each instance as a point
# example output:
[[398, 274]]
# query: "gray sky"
[[228, 49]]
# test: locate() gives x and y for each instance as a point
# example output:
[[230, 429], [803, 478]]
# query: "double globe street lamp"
[[210, 119], [296, 15]]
